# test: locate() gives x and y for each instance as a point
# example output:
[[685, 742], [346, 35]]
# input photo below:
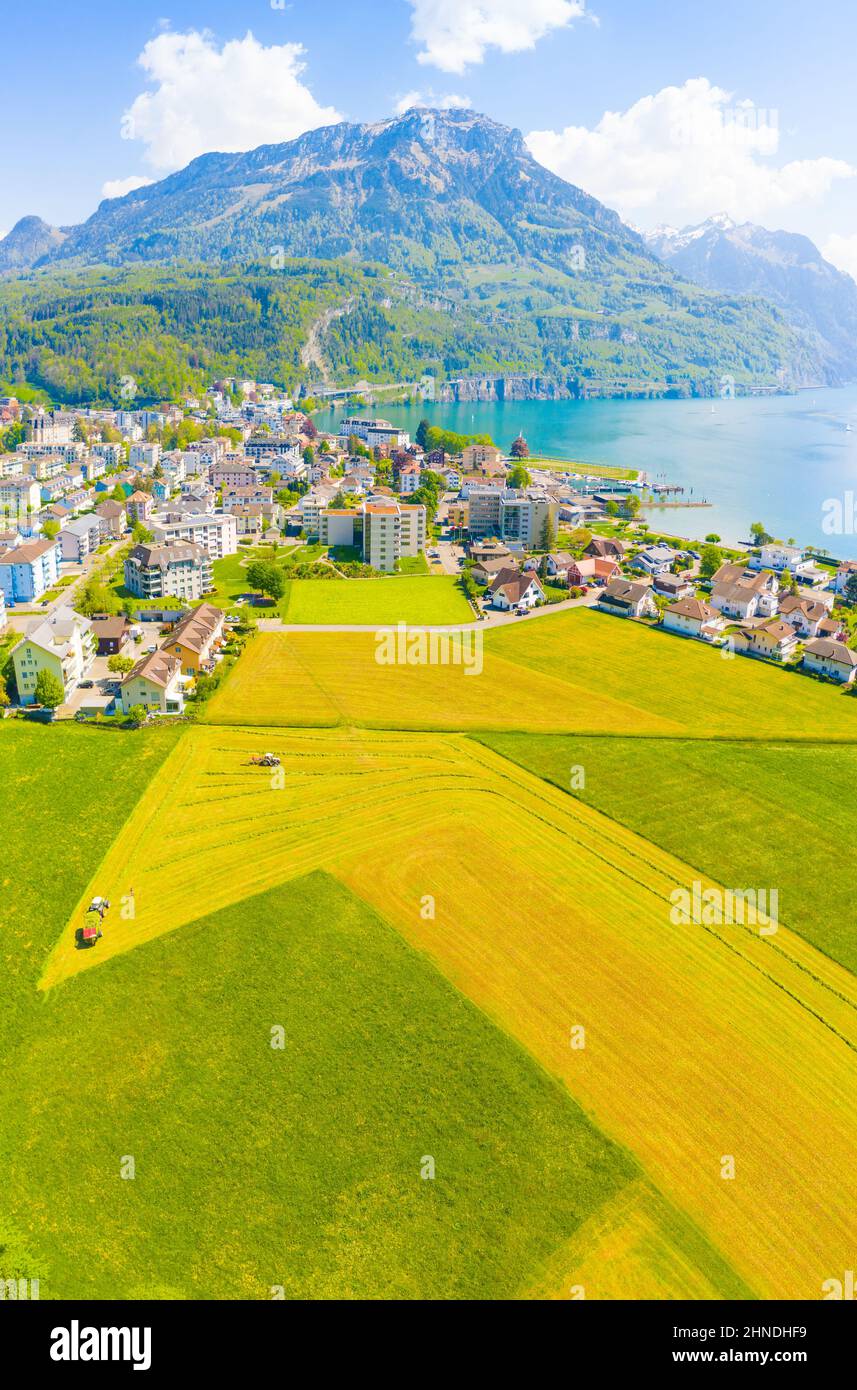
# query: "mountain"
[[485, 264], [784, 268], [29, 241]]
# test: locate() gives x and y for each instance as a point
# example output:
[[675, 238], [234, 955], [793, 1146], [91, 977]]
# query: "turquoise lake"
[[769, 459]]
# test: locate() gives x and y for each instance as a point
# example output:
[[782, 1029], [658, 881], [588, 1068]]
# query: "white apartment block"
[[218, 534], [392, 530]]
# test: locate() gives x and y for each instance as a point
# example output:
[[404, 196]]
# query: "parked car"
[[152, 648], [86, 685]]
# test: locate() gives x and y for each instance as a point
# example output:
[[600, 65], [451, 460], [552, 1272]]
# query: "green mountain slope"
[[451, 251]]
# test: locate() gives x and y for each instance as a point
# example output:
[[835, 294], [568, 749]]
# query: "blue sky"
[[746, 108]]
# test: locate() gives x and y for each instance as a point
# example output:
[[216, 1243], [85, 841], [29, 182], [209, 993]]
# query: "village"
[[118, 527]]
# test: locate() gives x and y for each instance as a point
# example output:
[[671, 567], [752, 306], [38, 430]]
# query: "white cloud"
[[210, 98], [841, 251], [456, 33], [429, 99], [684, 153], [117, 188]]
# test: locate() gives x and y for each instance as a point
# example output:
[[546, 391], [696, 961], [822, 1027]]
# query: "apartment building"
[[217, 534], [374, 431], [19, 496], [62, 644], [80, 537], [180, 570], [28, 571], [392, 530]]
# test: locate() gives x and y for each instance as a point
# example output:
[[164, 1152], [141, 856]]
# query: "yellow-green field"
[[700, 1041], [577, 671]]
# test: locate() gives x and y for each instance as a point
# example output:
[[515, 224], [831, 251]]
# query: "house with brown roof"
[[805, 614], [114, 518], [110, 634], [739, 592], [196, 638], [625, 599], [691, 617], [139, 507], [485, 571], [772, 640], [606, 548], [154, 683], [513, 589], [830, 658]]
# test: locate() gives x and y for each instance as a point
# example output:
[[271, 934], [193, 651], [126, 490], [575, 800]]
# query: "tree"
[[141, 535], [309, 456], [518, 476], [49, 690], [520, 448], [788, 583], [421, 435], [631, 505], [120, 664], [308, 428], [759, 534], [711, 561], [851, 588], [267, 578], [547, 541], [612, 508], [118, 493], [713, 538], [51, 529]]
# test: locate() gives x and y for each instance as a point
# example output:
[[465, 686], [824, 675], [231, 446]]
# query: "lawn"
[[435, 599], [300, 1166], [548, 916], [709, 803]]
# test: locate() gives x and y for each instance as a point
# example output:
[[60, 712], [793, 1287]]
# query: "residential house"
[[772, 640], [179, 569], [691, 617], [654, 560], [739, 592], [625, 599], [778, 557], [486, 571], [154, 683], [61, 644], [830, 658], [483, 458], [512, 588], [195, 639], [672, 586], [139, 508], [843, 574], [804, 614], [28, 571], [409, 478], [114, 518], [110, 634], [606, 548]]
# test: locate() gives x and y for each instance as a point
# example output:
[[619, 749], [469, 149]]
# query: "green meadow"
[[416, 599]]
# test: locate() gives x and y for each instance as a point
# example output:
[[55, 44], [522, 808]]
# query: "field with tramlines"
[[549, 917]]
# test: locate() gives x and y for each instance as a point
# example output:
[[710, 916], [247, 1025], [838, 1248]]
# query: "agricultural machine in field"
[[265, 760], [93, 920]]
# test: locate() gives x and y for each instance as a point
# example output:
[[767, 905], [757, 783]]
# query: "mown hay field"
[[432, 599], [573, 671], [700, 1042]]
